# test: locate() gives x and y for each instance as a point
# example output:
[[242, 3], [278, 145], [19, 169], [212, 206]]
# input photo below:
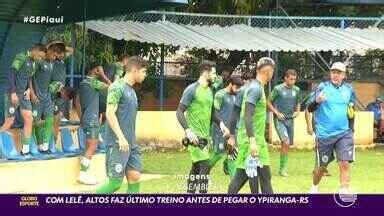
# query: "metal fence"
[[308, 65], [254, 21]]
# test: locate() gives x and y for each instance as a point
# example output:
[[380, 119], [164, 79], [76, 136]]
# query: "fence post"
[[84, 29], [162, 76], [342, 24], [72, 63]]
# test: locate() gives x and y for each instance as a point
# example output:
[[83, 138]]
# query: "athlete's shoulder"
[[115, 92], [117, 84], [279, 86], [348, 85], [19, 60], [296, 88], [255, 85], [323, 84], [85, 81], [192, 87], [221, 92], [21, 55], [255, 88]]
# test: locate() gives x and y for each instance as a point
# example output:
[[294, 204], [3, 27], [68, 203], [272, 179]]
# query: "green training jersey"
[[285, 99], [19, 60], [42, 79], [224, 103], [124, 96], [255, 95], [59, 76], [199, 101], [25, 68], [24, 75], [217, 84]]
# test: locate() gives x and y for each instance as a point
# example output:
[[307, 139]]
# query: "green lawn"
[[367, 173]]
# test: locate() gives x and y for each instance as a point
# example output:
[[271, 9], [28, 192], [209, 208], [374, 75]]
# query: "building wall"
[[163, 129], [365, 91]]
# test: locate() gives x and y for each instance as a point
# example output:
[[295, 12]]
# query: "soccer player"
[[123, 157], [332, 100], [89, 92], [113, 72], [42, 106], [194, 114], [251, 135], [60, 93], [247, 76], [23, 67], [224, 102], [284, 102]]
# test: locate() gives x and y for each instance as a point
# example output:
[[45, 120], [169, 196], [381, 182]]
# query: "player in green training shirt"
[[61, 94], [247, 76], [253, 159], [90, 89], [23, 67], [123, 156], [284, 102], [42, 105], [223, 103], [194, 113], [113, 72]]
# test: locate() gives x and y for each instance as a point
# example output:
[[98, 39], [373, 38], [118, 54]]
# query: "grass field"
[[367, 173]]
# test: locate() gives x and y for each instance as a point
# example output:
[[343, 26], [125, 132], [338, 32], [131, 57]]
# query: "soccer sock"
[[231, 167], [39, 133], [26, 141], [48, 129], [215, 157], [133, 188], [111, 186], [84, 164], [283, 161]]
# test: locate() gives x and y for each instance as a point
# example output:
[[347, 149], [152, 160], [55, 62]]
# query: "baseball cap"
[[339, 66]]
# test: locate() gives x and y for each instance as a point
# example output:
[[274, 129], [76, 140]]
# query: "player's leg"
[[345, 153], [254, 184], [265, 179], [92, 135], [324, 155], [115, 161], [231, 164], [111, 186], [48, 124], [282, 131], [56, 124], [238, 181], [133, 179], [229, 167], [59, 106], [8, 122], [26, 114], [38, 131], [9, 114], [203, 180], [192, 181], [133, 171], [38, 124], [214, 158], [218, 146]]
